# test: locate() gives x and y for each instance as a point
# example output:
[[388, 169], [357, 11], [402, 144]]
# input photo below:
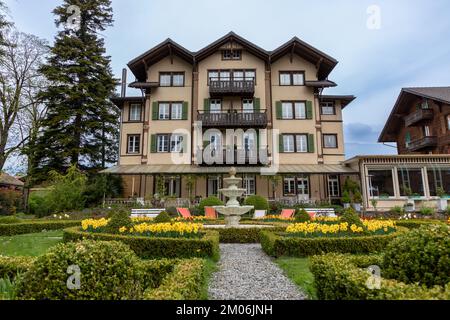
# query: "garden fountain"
[[232, 210]]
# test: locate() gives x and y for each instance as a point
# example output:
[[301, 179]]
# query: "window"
[[135, 112], [176, 143], [231, 54], [438, 180], [426, 131], [134, 143], [448, 122], [164, 111], [287, 111], [293, 110], [411, 182], [333, 186], [330, 141], [300, 110], [177, 111], [249, 185], [302, 142], [215, 106], [238, 75], [293, 186], [303, 185], [214, 184], [292, 78], [173, 186], [288, 143], [163, 143], [327, 108], [381, 183], [289, 186], [250, 75], [225, 75], [228, 75], [247, 106], [249, 141], [171, 79]]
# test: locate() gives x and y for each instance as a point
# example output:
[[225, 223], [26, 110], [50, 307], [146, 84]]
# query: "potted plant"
[[443, 199], [346, 199], [374, 203], [357, 201]]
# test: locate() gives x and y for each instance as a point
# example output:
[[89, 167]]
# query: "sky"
[[403, 43]]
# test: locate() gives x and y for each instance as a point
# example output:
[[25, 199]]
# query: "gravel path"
[[245, 272]]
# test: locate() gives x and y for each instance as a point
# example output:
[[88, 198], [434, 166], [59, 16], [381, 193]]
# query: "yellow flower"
[[123, 230]]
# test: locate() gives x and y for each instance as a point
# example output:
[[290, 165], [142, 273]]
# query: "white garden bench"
[[322, 212], [145, 213]]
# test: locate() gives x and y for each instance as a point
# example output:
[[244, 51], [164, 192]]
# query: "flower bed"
[[147, 247], [274, 218], [11, 266], [35, 226], [344, 277]]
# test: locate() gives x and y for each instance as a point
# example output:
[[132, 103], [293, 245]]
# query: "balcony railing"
[[236, 157], [256, 119], [245, 88], [423, 143], [418, 116]]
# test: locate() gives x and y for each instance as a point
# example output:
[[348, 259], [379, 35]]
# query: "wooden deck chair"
[[259, 214], [287, 213], [184, 212], [210, 213]]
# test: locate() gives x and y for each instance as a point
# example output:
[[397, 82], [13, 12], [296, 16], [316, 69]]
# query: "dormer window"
[[231, 54]]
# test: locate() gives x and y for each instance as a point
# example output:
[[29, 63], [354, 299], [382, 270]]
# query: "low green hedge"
[[11, 266], [154, 248], [277, 245], [343, 277], [186, 282], [244, 235], [35, 226], [415, 224], [154, 271]]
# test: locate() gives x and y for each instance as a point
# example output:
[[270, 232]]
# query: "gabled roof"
[[407, 95], [324, 62], [7, 180]]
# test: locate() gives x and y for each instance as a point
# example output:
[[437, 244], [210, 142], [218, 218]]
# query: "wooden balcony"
[[422, 144], [418, 116], [220, 88], [233, 119], [445, 139], [236, 157]]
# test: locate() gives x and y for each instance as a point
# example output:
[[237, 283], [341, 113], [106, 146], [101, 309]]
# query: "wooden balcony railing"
[[418, 116], [423, 143], [256, 119], [218, 88]]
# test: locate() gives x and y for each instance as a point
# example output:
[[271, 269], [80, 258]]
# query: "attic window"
[[231, 54]]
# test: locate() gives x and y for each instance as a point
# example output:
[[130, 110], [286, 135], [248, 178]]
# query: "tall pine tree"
[[81, 125]]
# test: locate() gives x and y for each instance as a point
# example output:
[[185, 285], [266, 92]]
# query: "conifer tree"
[[81, 125]]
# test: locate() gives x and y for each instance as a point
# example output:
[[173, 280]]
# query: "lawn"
[[297, 269], [33, 244]]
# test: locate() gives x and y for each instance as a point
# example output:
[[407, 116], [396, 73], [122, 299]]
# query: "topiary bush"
[[302, 216], [120, 218], [420, 256], [109, 271], [351, 217], [258, 202], [172, 212], [163, 217], [209, 202]]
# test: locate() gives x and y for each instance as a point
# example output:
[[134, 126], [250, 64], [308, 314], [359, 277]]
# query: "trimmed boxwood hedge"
[[244, 235], [11, 266], [154, 248], [344, 277], [415, 224], [277, 245], [185, 282], [154, 271], [35, 226]]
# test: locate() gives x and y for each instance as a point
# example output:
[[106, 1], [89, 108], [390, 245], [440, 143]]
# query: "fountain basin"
[[233, 213]]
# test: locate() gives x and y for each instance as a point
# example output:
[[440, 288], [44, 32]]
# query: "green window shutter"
[[281, 143], [279, 107], [206, 105], [153, 147], [311, 148], [309, 110], [257, 105], [155, 111], [407, 138], [185, 110]]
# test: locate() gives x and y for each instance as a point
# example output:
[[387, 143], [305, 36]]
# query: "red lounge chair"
[[184, 212], [311, 214], [210, 213], [287, 213]]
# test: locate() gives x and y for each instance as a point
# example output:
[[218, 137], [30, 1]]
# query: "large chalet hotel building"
[[191, 101]]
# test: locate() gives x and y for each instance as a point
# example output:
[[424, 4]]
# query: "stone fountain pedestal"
[[232, 210]]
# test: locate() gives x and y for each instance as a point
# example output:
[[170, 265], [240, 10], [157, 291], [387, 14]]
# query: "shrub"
[[99, 186], [421, 255], [172, 212], [9, 220], [258, 202], [209, 202], [346, 197], [154, 271], [155, 248], [243, 235], [302, 216], [120, 218], [11, 266], [39, 205], [184, 283], [35, 226], [344, 277], [397, 211], [163, 217], [426, 211], [10, 201], [109, 271], [447, 211], [357, 197], [351, 217], [414, 224]]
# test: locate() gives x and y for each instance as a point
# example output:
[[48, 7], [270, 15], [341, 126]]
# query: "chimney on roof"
[[124, 83]]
